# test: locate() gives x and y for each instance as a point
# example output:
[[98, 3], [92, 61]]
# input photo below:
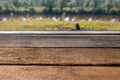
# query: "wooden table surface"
[[60, 39], [63, 55], [59, 63]]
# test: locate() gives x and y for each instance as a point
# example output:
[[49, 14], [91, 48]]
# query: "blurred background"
[[59, 14]]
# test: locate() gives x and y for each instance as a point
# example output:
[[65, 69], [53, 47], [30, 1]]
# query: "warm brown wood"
[[60, 56], [58, 73], [60, 63]]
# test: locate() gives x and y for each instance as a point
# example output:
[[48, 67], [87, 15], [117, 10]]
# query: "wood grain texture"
[[20, 40], [59, 38], [58, 73], [60, 56], [62, 32], [53, 63]]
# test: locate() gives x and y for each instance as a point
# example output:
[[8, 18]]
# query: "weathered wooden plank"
[[62, 32], [58, 73], [60, 56], [59, 38], [21, 40]]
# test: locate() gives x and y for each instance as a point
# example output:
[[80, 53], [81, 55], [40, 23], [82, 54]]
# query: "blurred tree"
[[101, 7]]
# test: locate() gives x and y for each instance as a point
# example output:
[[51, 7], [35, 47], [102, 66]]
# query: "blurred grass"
[[57, 25]]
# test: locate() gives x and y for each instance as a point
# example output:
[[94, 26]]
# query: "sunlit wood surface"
[[59, 73], [50, 55], [60, 39]]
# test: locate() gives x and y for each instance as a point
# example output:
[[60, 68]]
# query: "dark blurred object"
[[77, 26]]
